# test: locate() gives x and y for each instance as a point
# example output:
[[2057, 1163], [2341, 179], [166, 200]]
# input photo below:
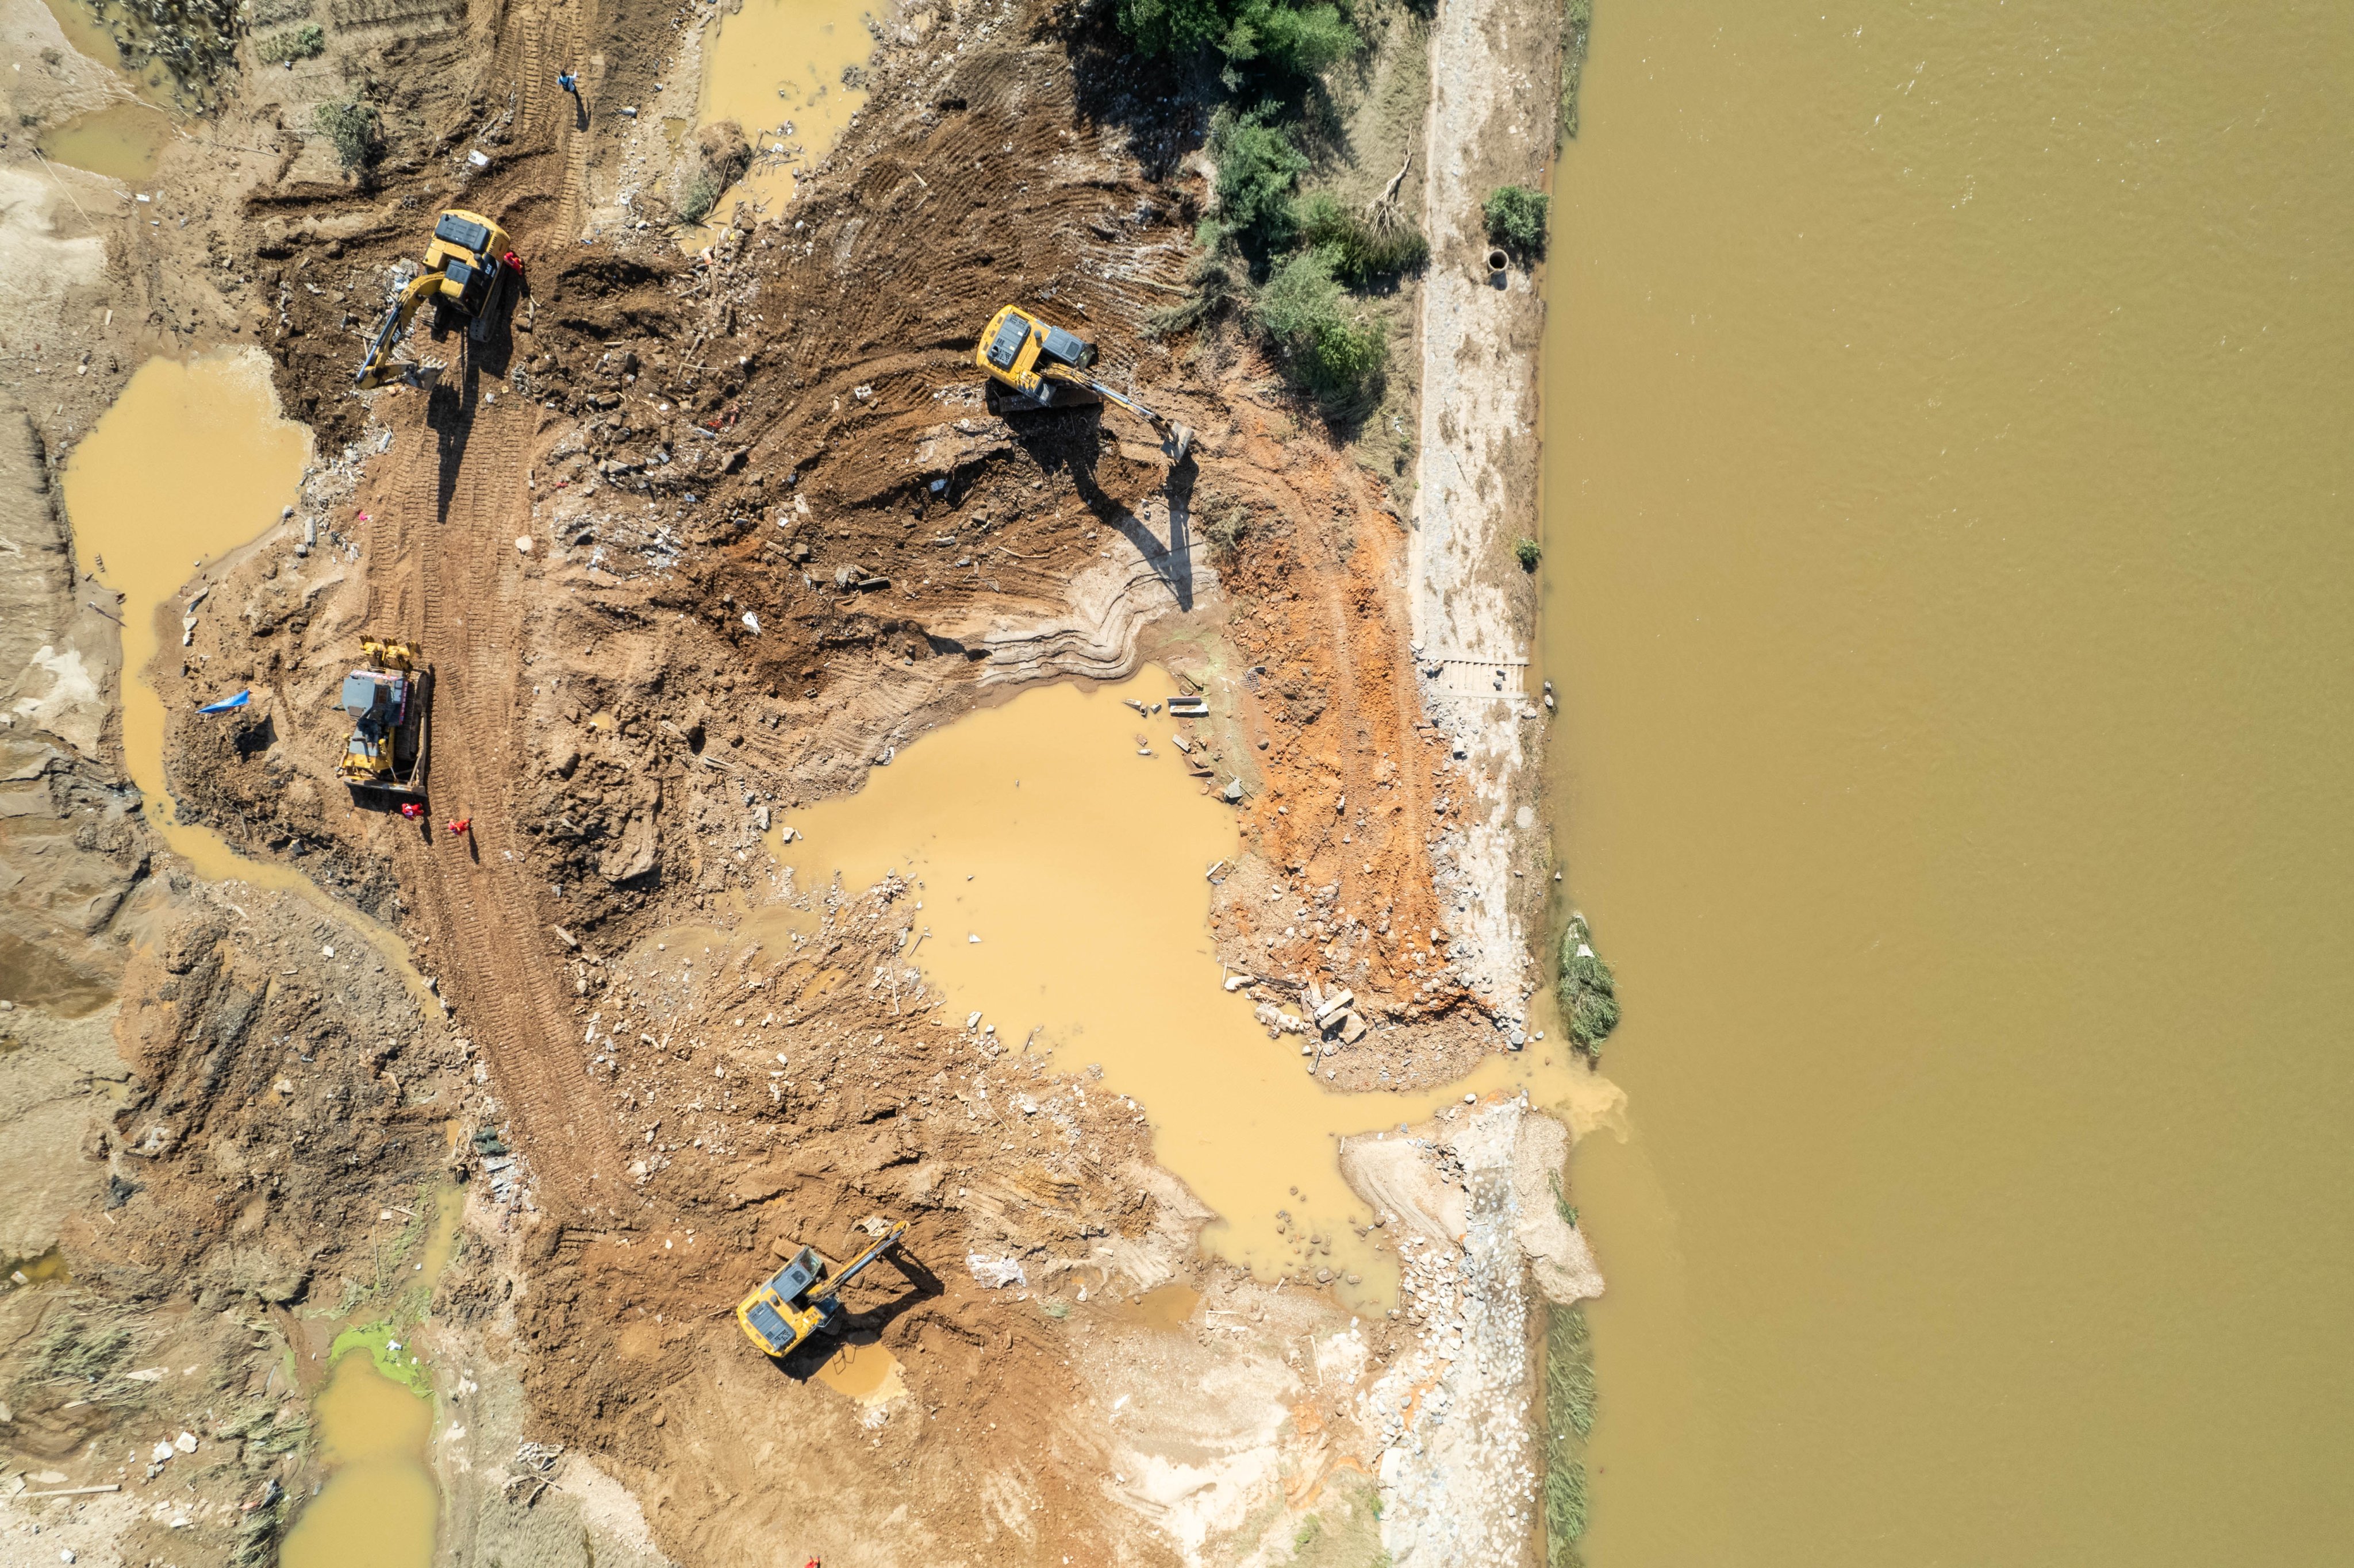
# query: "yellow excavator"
[[780, 1314], [469, 271], [388, 699], [1044, 366]]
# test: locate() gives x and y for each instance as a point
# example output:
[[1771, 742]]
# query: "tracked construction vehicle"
[[389, 700], [1032, 364], [469, 274], [789, 1306]]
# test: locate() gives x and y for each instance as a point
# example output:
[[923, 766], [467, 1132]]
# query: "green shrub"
[[1589, 993], [294, 44], [1528, 552], [1516, 218], [1362, 250], [1300, 39], [1304, 313], [1257, 166], [352, 127], [695, 203]]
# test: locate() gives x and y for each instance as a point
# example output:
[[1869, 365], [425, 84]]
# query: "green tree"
[[1257, 166], [1300, 39], [1304, 313], [352, 127]]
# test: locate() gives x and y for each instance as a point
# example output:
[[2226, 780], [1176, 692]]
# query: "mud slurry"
[[775, 538], [376, 1508], [190, 463]]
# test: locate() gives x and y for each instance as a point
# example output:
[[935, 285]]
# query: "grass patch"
[[351, 126], [1212, 285], [1569, 1375], [70, 1348], [1577, 23], [1226, 531], [1516, 217], [294, 44], [1569, 1421], [401, 1366], [1589, 991], [1561, 1203], [1304, 313], [1363, 250], [695, 203]]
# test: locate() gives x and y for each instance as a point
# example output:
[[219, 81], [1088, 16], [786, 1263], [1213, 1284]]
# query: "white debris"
[[995, 1273]]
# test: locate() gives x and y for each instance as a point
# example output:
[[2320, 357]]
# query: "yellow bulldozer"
[[1038, 366], [789, 1306], [469, 273], [388, 699]]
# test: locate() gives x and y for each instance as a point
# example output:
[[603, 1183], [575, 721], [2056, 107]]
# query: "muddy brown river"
[[1948, 571]]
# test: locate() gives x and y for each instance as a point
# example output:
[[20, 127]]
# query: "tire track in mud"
[[460, 498]]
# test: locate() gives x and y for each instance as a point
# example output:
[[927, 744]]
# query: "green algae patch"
[[391, 1353]]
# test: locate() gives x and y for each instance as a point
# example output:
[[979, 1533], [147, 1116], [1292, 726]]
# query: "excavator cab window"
[[1069, 348], [365, 699], [1006, 347], [796, 1276], [457, 230]]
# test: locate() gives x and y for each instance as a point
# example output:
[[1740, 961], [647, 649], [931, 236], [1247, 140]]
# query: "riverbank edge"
[[1496, 67]]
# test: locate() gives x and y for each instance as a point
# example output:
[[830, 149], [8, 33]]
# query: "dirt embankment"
[[703, 539]]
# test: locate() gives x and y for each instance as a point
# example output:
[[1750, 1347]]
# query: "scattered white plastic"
[[995, 1273]]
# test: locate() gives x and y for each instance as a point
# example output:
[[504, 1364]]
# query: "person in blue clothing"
[[568, 82]]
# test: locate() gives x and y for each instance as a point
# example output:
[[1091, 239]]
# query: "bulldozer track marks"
[[442, 570]]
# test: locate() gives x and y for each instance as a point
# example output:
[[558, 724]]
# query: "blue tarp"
[[226, 703]]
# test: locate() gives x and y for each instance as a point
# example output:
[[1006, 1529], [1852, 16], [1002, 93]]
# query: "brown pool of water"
[[1166, 1308], [377, 1507], [1947, 522], [867, 1373], [192, 462], [1061, 879], [79, 20], [778, 63], [122, 140], [48, 1268]]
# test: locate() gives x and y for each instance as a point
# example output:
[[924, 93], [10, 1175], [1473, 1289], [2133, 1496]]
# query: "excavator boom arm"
[[850, 1270], [1179, 438], [396, 318], [1081, 378]]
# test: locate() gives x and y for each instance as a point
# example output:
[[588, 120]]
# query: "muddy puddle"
[[1062, 880], [776, 67], [80, 21], [378, 1506], [122, 140], [869, 1374], [191, 463]]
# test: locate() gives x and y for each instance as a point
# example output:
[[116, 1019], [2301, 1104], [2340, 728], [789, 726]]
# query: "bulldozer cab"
[[385, 697]]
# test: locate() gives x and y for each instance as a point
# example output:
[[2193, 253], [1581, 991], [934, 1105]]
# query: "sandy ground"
[[773, 534], [1494, 80]]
